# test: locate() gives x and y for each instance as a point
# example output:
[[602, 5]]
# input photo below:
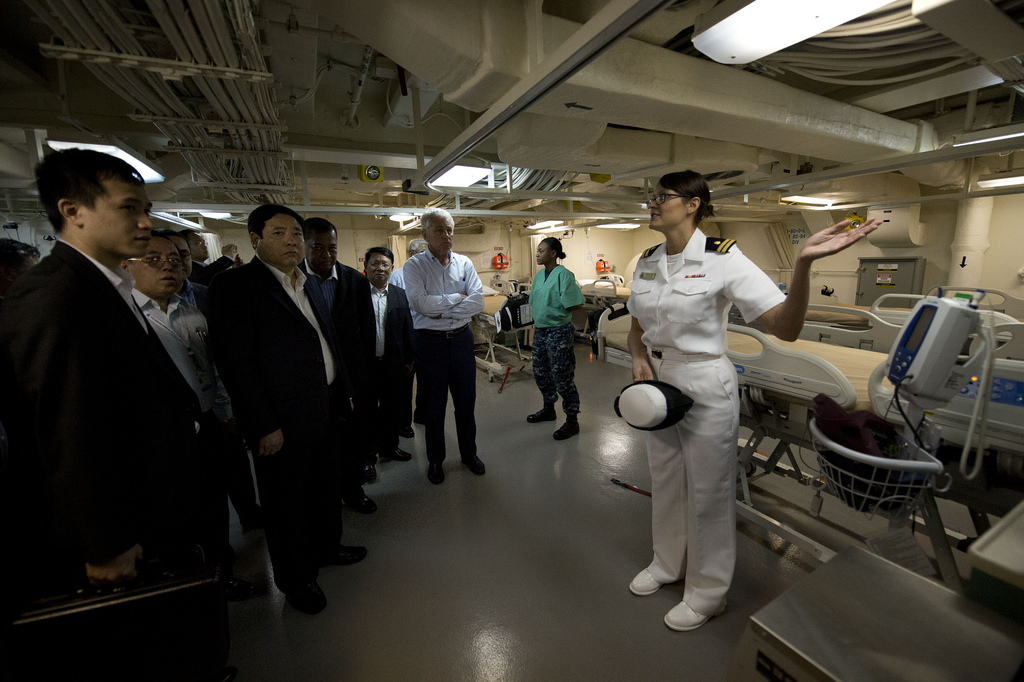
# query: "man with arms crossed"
[[444, 293]]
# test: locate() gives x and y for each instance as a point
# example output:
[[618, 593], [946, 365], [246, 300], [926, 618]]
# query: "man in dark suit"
[[347, 293], [274, 348], [201, 272], [392, 354], [101, 423]]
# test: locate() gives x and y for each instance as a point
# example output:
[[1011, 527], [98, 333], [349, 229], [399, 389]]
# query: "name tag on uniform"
[[647, 275]]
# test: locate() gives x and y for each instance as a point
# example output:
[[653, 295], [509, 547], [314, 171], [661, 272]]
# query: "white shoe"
[[644, 584], [683, 619]]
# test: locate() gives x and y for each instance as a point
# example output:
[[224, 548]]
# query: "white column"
[[970, 242]]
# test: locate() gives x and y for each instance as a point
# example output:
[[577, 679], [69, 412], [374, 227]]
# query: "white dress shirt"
[[297, 294], [183, 332], [380, 311], [435, 291]]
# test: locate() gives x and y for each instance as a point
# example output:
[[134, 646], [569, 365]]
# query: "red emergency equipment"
[[603, 267], [501, 262]]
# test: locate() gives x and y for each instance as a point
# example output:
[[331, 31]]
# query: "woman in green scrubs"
[[553, 296]]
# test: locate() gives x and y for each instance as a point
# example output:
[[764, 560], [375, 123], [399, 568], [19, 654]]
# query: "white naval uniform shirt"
[[682, 301]]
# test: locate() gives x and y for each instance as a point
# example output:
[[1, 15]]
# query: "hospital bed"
[[894, 308], [849, 326], [606, 290], [485, 334]]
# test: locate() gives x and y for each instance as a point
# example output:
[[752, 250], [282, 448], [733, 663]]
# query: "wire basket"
[[875, 485]]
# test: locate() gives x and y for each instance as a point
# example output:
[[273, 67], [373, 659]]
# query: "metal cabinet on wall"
[[879, 276]]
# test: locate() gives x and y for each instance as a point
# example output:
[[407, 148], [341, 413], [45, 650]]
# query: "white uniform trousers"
[[693, 474]]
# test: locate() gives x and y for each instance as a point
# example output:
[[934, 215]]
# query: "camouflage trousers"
[[554, 366]]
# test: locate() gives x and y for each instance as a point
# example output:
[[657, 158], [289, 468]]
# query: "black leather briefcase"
[[165, 627]]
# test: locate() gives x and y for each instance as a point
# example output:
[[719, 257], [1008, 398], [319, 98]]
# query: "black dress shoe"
[[475, 465], [399, 455], [343, 556], [308, 598], [407, 432], [435, 473], [236, 589], [369, 473], [360, 502]]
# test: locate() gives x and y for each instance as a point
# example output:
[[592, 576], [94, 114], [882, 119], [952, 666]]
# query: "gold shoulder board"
[[718, 244], [650, 251]]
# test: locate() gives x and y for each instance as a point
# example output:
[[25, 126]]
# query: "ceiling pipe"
[[357, 91], [615, 20]]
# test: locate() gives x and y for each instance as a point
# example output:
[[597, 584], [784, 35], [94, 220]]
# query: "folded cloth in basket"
[[862, 431]]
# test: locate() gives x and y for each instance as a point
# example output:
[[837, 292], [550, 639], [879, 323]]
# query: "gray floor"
[[520, 574]]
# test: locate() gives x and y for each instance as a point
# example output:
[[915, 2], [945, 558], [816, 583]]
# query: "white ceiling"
[[241, 102]]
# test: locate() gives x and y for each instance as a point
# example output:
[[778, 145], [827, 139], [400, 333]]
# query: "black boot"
[[547, 414], [569, 429]]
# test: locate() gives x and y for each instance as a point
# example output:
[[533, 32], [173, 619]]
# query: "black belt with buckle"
[[656, 353], [450, 333]]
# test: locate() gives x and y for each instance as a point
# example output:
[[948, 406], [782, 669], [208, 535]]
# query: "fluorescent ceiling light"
[[989, 135], [618, 226], [552, 230], [401, 217], [741, 31], [462, 176], [148, 173], [1004, 179], [215, 215], [177, 220], [817, 201], [544, 223]]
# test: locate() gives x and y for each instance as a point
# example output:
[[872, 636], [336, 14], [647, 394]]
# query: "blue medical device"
[[926, 361]]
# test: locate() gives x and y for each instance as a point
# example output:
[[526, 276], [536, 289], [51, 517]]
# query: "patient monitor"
[[925, 362]]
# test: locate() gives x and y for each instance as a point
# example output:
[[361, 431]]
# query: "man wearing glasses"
[[182, 331], [94, 482]]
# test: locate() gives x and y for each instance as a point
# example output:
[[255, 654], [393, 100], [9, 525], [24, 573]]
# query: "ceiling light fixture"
[[544, 223], [176, 220], [136, 160], [401, 217], [462, 176], [989, 135], [618, 226], [816, 201], [215, 215], [552, 230], [1004, 179], [742, 31]]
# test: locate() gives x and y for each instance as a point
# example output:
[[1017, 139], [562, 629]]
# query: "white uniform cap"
[[652, 405]]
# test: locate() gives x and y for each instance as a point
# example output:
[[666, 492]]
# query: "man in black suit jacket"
[[201, 272], [102, 425], [347, 293], [274, 348], [393, 354]]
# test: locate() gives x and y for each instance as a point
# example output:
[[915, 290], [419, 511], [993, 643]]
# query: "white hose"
[[980, 406]]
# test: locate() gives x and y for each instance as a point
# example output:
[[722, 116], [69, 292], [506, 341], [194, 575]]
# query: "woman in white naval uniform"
[[681, 293]]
